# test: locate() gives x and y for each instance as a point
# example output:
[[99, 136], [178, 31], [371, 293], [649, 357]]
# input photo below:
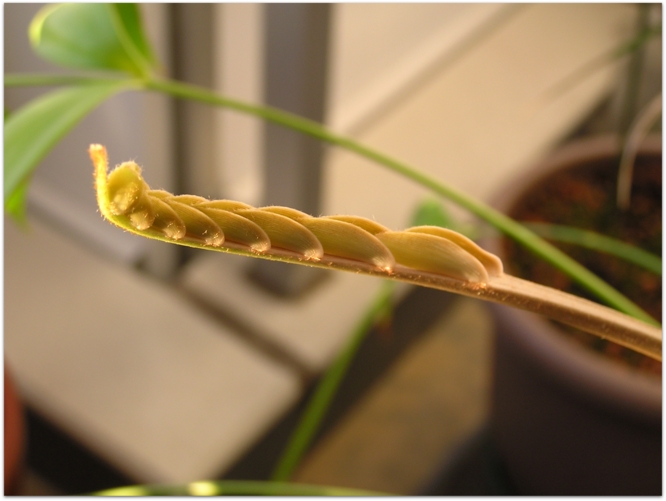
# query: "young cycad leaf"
[[199, 225], [189, 199], [294, 214], [424, 256], [125, 188], [238, 229], [367, 224], [91, 36], [339, 238], [161, 194], [285, 233], [143, 215], [32, 131], [433, 254], [167, 221], [231, 205], [234, 227], [128, 194], [491, 262]]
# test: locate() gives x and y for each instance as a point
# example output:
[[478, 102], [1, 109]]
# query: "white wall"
[[380, 51], [483, 116]]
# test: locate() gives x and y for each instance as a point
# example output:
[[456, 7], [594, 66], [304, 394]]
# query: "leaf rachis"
[[425, 255]]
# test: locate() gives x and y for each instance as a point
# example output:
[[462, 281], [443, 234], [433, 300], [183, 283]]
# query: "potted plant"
[[426, 255]]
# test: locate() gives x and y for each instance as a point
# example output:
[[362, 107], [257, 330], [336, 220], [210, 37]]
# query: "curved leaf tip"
[[36, 27], [127, 201], [92, 36]]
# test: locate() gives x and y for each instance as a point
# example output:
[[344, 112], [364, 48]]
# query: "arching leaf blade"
[[82, 36], [129, 15], [32, 131], [598, 242]]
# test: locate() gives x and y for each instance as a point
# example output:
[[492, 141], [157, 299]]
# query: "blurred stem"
[[320, 401], [235, 488], [598, 242]]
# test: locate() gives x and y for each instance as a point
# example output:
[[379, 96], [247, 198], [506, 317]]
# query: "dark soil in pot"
[[584, 198]]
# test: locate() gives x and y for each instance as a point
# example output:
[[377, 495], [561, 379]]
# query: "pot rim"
[[588, 375]]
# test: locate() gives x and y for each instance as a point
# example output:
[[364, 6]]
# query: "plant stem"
[[498, 287], [326, 389], [503, 223], [235, 488]]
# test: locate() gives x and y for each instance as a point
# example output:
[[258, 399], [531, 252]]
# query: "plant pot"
[[567, 420], [14, 435]]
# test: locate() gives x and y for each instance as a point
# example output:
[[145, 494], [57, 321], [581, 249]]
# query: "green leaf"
[[129, 16], [15, 204], [598, 242], [32, 131], [91, 36], [431, 212]]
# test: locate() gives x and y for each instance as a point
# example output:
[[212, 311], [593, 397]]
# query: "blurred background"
[[141, 362]]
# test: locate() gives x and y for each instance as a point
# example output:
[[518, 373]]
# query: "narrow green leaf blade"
[[130, 17], [598, 242], [81, 36], [32, 131]]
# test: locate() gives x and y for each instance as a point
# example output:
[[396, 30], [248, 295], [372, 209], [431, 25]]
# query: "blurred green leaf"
[[431, 212], [15, 204], [32, 131], [598, 242], [129, 16], [91, 36]]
